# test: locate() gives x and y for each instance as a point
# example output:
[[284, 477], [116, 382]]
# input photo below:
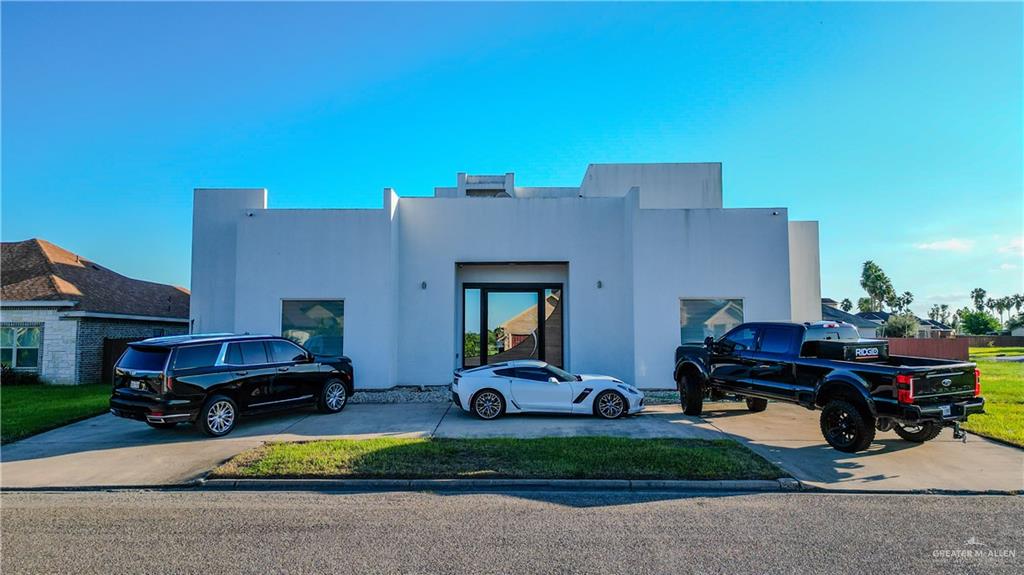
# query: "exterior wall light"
[[599, 284], [423, 285]]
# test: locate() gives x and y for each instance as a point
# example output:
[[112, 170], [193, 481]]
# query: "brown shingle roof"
[[36, 270]]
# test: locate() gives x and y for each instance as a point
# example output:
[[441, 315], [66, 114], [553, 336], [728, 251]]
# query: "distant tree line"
[[985, 318]]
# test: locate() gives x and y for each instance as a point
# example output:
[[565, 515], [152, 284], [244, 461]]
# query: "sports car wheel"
[[488, 404], [610, 404]]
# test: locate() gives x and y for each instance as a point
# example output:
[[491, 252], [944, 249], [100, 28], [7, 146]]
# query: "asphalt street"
[[540, 532]]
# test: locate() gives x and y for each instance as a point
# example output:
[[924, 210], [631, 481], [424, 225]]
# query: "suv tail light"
[[977, 382], [168, 384], [904, 389]]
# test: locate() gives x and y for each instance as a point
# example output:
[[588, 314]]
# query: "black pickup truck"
[[857, 385]]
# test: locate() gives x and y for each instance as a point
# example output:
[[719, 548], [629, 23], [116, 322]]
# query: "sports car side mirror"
[[552, 379]]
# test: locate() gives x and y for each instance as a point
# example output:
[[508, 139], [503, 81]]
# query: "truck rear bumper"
[[946, 413]]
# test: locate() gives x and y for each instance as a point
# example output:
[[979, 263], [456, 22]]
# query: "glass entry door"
[[503, 322]]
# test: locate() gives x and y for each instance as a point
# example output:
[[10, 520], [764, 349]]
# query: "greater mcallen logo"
[[864, 352]]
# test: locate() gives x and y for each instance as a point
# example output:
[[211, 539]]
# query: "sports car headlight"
[[629, 389]]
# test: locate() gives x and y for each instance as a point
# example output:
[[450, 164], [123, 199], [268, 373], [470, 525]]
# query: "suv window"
[[285, 352], [196, 356], [741, 339], [246, 353], [145, 359], [777, 340]]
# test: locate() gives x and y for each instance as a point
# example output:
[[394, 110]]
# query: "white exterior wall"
[[804, 271], [640, 243], [58, 356], [215, 214]]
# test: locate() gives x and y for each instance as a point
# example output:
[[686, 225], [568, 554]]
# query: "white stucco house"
[[605, 277]]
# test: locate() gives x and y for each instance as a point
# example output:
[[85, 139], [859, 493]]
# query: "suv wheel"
[[691, 395], [845, 428], [756, 404], [918, 433], [218, 416], [333, 397]]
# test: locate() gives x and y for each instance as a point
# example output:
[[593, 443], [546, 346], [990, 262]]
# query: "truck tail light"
[[977, 382], [904, 389]]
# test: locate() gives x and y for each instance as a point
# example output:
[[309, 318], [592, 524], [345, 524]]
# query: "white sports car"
[[527, 385]]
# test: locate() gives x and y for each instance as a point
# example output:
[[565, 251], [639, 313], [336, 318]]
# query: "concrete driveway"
[[788, 436], [110, 451]]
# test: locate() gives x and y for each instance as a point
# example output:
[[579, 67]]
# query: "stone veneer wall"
[[92, 332], [57, 360]]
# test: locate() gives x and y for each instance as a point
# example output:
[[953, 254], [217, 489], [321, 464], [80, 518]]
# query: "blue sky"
[[898, 127]]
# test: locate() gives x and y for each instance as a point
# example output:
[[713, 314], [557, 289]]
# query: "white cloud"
[[1016, 247], [950, 245], [1007, 267]]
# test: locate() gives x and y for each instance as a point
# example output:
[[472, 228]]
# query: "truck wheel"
[[691, 396], [845, 428], [756, 404], [918, 433]]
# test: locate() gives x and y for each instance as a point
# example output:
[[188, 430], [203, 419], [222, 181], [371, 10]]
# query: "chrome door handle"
[[282, 369], [241, 373]]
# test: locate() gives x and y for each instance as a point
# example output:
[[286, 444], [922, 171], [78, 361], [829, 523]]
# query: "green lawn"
[[986, 352], [546, 458], [1002, 385], [29, 409]]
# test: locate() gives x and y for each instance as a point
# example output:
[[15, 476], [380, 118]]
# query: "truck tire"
[[845, 427], [918, 433], [691, 394], [756, 404]]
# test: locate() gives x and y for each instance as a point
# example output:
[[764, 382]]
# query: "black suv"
[[210, 379]]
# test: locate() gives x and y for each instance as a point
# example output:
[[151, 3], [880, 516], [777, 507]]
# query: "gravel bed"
[[405, 394]]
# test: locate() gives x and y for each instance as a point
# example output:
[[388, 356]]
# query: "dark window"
[[285, 352], [559, 374], [234, 355], [145, 359], [507, 372], [533, 373], [742, 339], [318, 325], [777, 340], [246, 353], [196, 356]]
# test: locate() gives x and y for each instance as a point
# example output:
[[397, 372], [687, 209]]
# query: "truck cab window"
[[740, 339]]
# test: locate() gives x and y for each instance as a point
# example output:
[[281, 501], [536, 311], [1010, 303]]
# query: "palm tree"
[[876, 284], [846, 305], [978, 295]]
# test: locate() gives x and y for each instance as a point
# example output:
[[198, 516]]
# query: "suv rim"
[[335, 396], [488, 405], [221, 417], [610, 405]]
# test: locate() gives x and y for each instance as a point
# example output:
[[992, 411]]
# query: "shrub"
[[978, 322], [10, 376], [901, 325]]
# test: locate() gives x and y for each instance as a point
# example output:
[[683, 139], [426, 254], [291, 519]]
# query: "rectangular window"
[[193, 356], [317, 325], [700, 318], [19, 347]]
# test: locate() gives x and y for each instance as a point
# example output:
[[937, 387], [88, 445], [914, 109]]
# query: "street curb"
[[784, 484]]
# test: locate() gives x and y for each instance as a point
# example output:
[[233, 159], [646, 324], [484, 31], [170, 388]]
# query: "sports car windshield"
[[561, 374]]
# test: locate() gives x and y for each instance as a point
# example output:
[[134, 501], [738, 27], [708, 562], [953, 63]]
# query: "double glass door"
[[503, 322]]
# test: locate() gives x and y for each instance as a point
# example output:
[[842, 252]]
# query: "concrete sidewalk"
[[110, 451]]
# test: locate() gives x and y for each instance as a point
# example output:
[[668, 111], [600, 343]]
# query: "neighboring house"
[[1017, 331], [56, 309], [868, 329], [930, 328], [642, 257], [927, 328]]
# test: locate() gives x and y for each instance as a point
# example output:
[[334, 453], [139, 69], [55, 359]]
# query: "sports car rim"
[[220, 417], [335, 396], [610, 405], [841, 429], [488, 405]]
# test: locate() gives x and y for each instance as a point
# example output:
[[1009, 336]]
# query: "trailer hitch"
[[959, 433]]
